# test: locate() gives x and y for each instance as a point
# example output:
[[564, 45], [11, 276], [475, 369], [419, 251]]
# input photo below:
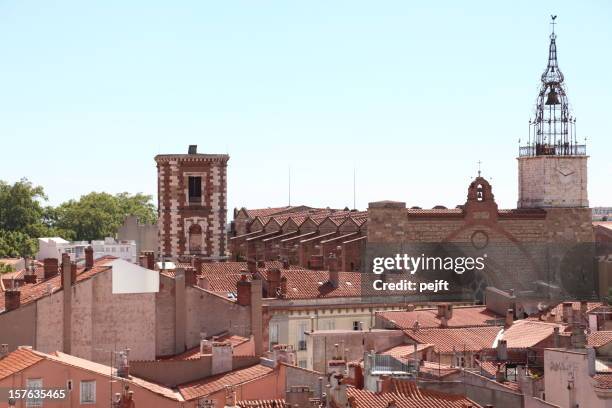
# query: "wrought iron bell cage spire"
[[553, 130]]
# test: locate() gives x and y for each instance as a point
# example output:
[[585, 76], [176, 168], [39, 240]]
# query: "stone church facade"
[[192, 203], [545, 244]]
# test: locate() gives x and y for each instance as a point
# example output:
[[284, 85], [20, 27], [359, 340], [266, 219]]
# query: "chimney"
[[445, 309], [150, 259], [66, 268], [3, 350], [29, 278], [410, 307], [584, 307], [285, 263], [556, 337], [12, 299], [142, 260], [283, 287], [50, 268], [193, 149], [500, 376], [332, 265], [274, 281], [190, 276], [123, 364], [205, 346], [509, 317], [338, 390], [443, 321], [221, 357], [385, 384], [502, 350], [590, 353], [89, 257], [284, 353], [197, 265], [252, 266], [567, 312], [243, 291], [257, 326]]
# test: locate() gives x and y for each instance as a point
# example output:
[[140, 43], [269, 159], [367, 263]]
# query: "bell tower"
[[552, 165]]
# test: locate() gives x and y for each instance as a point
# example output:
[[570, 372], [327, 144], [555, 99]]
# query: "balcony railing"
[[552, 150]]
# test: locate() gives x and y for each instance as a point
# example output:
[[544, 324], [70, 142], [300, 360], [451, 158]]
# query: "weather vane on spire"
[[479, 163], [552, 23]]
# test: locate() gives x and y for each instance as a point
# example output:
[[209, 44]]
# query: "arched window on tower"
[[479, 193], [195, 239]]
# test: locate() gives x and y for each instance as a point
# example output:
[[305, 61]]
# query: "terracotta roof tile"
[[209, 385], [466, 316], [447, 340], [599, 338], [301, 283], [34, 291], [603, 380], [18, 360], [407, 395], [276, 403], [528, 333]]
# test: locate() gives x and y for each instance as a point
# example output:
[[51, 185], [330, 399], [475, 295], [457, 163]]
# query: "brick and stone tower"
[[552, 166], [192, 202]]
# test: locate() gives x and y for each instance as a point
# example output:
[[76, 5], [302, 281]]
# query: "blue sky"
[[409, 94]]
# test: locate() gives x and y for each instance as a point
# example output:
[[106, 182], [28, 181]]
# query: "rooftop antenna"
[[289, 186]]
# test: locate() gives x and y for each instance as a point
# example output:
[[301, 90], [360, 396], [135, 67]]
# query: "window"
[[355, 325], [302, 363], [195, 189], [88, 392], [34, 384], [195, 239], [273, 334], [302, 327]]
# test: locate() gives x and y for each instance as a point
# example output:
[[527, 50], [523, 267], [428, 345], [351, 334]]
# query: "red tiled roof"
[[242, 347], [407, 395], [34, 291], [436, 370], [599, 338], [405, 352], [528, 333], [603, 380], [276, 403], [207, 386], [301, 283], [462, 316], [18, 360], [447, 340]]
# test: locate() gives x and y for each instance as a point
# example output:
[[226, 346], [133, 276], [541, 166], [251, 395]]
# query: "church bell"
[[553, 98]]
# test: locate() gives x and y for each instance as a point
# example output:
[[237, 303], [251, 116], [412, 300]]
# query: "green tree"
[[14, 244], [20, 207], [99, 215], [4, 268]]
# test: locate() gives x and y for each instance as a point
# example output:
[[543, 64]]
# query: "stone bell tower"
[[552, 166]]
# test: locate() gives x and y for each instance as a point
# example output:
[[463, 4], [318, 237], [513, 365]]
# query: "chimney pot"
[[50, 268], [12, 299], [243, 291], [89, 257], [509, 317]]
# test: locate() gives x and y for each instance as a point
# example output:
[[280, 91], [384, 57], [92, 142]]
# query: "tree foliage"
[[24, 218], [99, 215]]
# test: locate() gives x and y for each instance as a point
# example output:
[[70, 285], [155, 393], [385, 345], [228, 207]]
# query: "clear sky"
[[408, 94]]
